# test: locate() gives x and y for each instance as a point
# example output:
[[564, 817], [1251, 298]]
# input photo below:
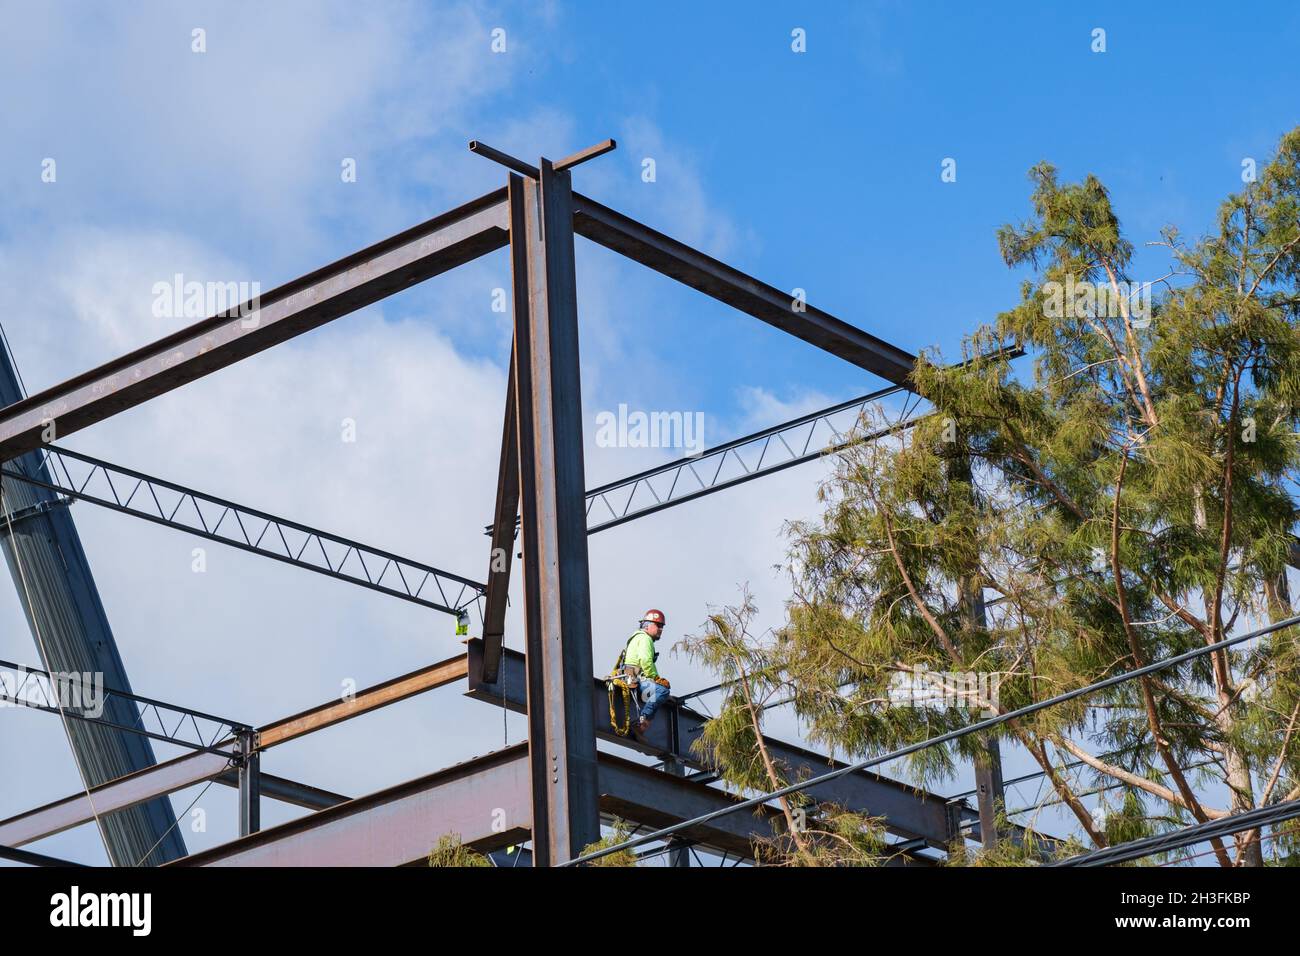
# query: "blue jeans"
[[653, 694]]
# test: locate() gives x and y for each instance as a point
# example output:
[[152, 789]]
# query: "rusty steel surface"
[[117, 794], [557, 600], [703, 273], [485, 801], [442, 243], [908, 811]]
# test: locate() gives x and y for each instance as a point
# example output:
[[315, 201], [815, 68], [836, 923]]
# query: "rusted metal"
[[557, 600], [485, 802], [117, 794], [372, 698], [442, 243], [506, 514], [909, 812], [177, 774], [582, 155], [704, 273]]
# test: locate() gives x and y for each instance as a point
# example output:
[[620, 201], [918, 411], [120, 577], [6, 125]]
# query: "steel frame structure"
[[556, 789]]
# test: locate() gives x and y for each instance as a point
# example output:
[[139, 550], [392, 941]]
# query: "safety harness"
[[618, 684]]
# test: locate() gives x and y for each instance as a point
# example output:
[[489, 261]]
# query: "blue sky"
[[818, 170]]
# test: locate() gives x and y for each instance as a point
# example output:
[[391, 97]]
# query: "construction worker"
[[639, 658]]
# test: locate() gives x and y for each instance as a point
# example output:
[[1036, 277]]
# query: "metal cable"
[[943, 738]]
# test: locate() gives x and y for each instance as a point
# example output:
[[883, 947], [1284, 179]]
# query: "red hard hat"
[[654, 616]]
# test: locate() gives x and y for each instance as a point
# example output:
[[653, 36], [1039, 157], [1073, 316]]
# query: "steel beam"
[[372, 698], [182, 772], [175, 506], [679, 261], [115, 795], [286, 790], [505, 517], [485, 801], [433, 247], [35, 688], [250, 788], [632, 791], [908, 811], [557, 601]]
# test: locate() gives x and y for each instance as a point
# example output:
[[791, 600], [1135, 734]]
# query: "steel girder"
[[185, 771], [557, 599], [908, 811], [172, 505], [365, 277], [485, 802], [691, 267]]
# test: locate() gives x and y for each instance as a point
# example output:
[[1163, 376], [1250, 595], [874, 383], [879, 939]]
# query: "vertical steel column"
[[250, 786], [557, 599]]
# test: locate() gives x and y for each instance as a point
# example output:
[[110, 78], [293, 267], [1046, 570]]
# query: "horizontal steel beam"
[[433, 247], [485, 801], [679, 261], [635, 792], [163, 502], [908, 811], [365, 701], [182, 772], [287, 791]]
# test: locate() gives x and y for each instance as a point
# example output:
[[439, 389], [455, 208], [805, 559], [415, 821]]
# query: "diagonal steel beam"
[[504, 523], [908, 811], [163, 502], [117, 794], [184, 771], [691, 267], [433, 247]]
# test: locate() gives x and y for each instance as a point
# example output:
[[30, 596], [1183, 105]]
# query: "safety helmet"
[[654, 616]]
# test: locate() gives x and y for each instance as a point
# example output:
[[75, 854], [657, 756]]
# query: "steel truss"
[[555, 789]]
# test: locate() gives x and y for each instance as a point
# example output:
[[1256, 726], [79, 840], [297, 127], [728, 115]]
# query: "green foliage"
[[451, 852], [1126, 499], [733, 742], [619, 833]]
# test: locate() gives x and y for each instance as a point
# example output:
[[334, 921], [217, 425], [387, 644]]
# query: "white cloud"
[[246, 147]]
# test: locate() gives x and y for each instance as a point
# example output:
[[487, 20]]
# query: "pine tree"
[[1129, 500]]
